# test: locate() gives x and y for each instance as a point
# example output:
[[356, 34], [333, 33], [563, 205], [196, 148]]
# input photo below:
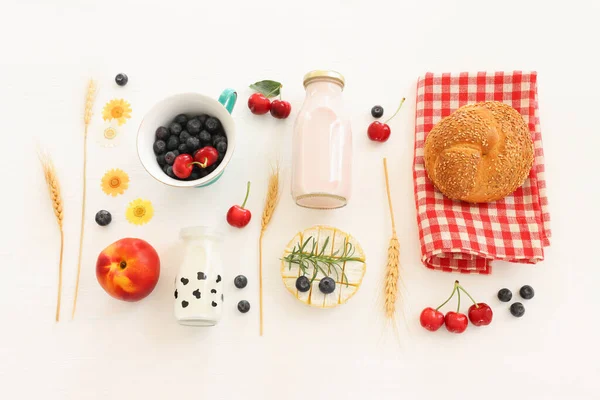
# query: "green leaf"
[[267, 87]]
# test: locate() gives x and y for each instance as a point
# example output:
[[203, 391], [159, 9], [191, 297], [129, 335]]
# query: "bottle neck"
[[323, 87]]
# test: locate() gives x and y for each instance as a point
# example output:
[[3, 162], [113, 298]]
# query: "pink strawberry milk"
[[322, 144]]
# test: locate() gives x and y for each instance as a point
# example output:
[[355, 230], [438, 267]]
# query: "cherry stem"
[[467, 293], [449, 298], [247, 194], [397, 110], [202, 165], [458, 306]]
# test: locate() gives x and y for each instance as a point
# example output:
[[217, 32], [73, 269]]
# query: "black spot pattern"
[[218, 278], [184, 304], [222, 298], [213, 290], [214, 304], [175, 293], [184, 281], [201, 276], [197, 293]]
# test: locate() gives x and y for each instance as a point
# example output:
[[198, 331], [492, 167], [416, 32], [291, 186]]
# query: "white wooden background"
[[119, 350]]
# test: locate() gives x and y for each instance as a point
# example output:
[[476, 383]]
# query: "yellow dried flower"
[[117, 109], [115, 182], [139, 212]]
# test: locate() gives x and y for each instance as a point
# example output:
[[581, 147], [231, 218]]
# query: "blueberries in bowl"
[[188, 134]]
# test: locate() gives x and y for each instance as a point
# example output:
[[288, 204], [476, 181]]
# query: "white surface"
[[119, 350]]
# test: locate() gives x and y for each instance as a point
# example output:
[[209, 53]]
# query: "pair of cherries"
[[480, 314], [204, 158]]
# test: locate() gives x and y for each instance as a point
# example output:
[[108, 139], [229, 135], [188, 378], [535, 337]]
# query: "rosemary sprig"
[[306, 259]]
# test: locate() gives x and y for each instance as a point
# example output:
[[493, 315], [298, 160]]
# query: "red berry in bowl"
[[281, 109], [456, 322], [183, 166], [480, 314], [379, 132], [431, 319], [238, 216], [259, 104], [206, 156]]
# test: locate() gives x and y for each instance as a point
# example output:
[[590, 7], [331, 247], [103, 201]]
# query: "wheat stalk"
[[57, 206], [87, 117], [392, 271], [271, 202]]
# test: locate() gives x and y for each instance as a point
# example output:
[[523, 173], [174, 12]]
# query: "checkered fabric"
[[459, 237]]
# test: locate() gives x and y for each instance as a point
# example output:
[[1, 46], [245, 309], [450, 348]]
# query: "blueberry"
[[170, 157], [173, 142], [504, 295], [303, 284], [161, 160], [159, 147], [193, 176], [527, 292], [176, 152], [103, 218], [193, 126], [165, 168], [170, 173], [327, 285], [221, 147], [193, 144], [220, 158], [181, 119], [203, 172], [243, 306], [377, 112], [517, 309], [175, 128], [240, 281], [162, 133], [217, 138], [183, 149], [210, 169], [202, 118], [184, 136], [212, 124], [205, 138], [121, 79]]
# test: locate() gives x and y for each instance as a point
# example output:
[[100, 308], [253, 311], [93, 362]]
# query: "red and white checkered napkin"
[[457, 236]]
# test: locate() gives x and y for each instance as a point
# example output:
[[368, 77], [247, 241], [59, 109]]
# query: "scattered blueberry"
[[173, 142], [159, 147], [212, 124], [517, 309], [175, 128], [221, 147], [243, 306], [121, 79], [161, 160], [193, 144], [204, 137], [240, 281], [184, 136], [181, 119], [162, 133], [103, 218], [527, 292], [504, 295], [327, 285], [377, 112], [193, 126], [303, 284]]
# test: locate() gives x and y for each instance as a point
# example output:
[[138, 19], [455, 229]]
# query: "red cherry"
[[456, 322], [183, 166], [379, 132], [480, 314], [206, 156], [281, 109], [259, 104], [431, 319], [238, 216]]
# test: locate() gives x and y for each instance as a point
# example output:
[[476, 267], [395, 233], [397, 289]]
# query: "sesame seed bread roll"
[[480, 153]]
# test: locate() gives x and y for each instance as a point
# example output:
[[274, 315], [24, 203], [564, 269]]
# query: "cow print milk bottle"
[[199, 283]]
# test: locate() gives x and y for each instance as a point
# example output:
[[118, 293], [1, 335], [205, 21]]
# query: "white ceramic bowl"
[[163, 112]]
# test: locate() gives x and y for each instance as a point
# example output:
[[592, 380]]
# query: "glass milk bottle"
[[199, 282], [322, 144]]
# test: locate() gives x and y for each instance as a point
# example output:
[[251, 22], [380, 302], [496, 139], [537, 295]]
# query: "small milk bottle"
[[199, 282], [322, 144]]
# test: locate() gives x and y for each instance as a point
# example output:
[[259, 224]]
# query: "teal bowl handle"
[[228, 98]]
